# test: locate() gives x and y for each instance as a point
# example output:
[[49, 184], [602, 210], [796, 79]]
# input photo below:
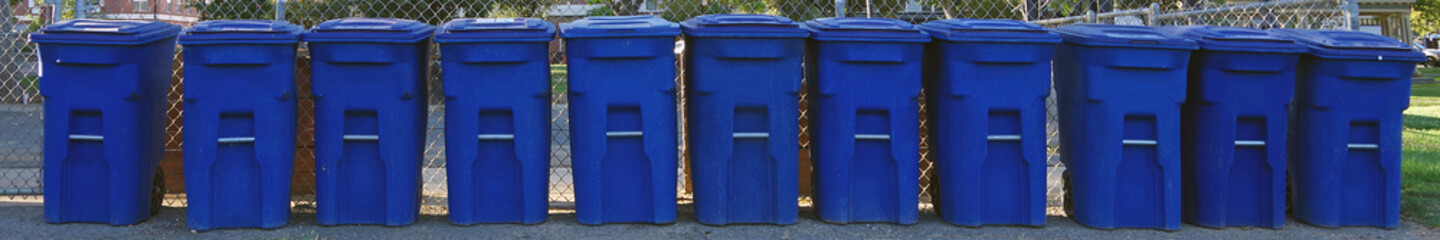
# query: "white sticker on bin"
[[624, 134], [496, 137], [1249, 143], [1003, 137], [1137, 142], [236, 140], [1363, 146], [84, 137], [362, 137], [872, 137], [750, 135]]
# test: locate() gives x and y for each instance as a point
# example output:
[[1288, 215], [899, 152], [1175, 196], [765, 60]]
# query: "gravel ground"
[[24, 221]]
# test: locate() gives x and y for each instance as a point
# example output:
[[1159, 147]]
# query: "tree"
[[1425, 17]]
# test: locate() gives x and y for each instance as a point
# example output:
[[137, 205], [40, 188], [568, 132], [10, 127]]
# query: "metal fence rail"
[[21, 115]]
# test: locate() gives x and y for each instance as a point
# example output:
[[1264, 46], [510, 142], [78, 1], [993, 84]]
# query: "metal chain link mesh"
[[21, 112]]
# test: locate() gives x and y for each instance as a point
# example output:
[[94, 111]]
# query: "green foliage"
[[1425, 17]]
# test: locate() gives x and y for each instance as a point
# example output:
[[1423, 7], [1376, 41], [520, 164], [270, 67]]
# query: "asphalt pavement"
[[24, 221]]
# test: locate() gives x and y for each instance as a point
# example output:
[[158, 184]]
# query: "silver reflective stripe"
[[1249, 143], [236, 140], [496, 137], [1003, 137], [362, 137], [751, 135], [1363, 146], [1139, 142], [83, 137], [625, 134], [872, 137]]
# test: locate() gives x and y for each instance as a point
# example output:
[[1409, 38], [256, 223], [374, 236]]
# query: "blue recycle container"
[[986, 82], [368, 79], [1119, 94], [1351, 89], [1233, 129], [622, 118], [240, 123], [104, 84], [497, 118], [865, 76], [743, 84]]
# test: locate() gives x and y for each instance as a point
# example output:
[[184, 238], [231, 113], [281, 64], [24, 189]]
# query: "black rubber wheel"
[[157, 191], [1068, 198]]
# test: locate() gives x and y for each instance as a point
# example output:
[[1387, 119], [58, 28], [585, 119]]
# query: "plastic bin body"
[[104, 84], [986, 82], [622, 118], [368, 79], [1119, 94], [743, 84], [1240, 85], [1345, 145], [240, 123], [865, 78], [497, 119]]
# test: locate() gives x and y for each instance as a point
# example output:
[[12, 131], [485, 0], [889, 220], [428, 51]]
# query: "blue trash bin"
[[1233, 126], [497, 118], [622, 118], [864, 77], [104, 84], [743, 84], [368, 80], [1119, 93], [986, 82], [1351, 89], [240, 123]]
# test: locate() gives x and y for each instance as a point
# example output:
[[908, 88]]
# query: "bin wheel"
[[1432, 62], [157, 192], [1068, 199]]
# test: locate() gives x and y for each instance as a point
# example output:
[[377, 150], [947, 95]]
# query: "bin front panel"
[[743, 84], [240, 111], [1119, 105], [497, 119], [622, 122], [986, 82], [1241, 83], [105, 117], [1351, 89], [368, 79]]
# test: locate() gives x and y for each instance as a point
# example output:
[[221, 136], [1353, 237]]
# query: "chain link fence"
[[21, 112]]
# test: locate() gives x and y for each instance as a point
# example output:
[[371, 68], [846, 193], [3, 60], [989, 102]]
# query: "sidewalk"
[[24, 221]]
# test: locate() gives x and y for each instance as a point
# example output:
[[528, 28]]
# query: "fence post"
[[1352, 14], [1150, 15], [839, 8], [280, 10], [1090, 16]]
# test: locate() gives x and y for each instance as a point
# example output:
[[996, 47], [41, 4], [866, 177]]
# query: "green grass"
[[1429, 70], [1420, 167], [558, 79]]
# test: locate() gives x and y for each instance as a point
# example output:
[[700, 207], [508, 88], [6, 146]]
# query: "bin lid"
[[369, 30], [621, 26], [988, 30], [495, 30], [1336, 44], [1238, 39], [743, 26], [105, 32], [865, 29], [242, 31], [1105, 35]]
